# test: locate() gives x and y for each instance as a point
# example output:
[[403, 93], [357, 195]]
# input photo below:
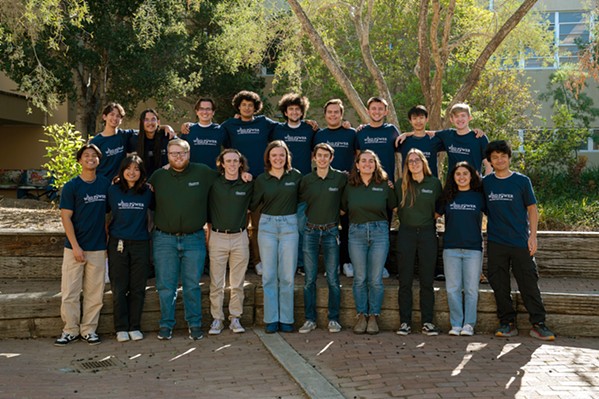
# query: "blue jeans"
[[462, 272], [301, 222], [368, 248], [329, 240], [179, 256], [278, 240]]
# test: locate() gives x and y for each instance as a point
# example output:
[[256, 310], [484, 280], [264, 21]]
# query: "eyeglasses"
[[177, 154], [414, 161]]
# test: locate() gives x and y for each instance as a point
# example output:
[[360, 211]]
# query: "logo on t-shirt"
[[88, 199], [289, 183], [193, 183], [205, 142], [377, 189], [458, 150], [375, 140], [426, 191], [333, 188], [295, 139], [240, 193], [500, 197], [462, 207], [338, 144], [114, 151], [248, 130], [130, 205]]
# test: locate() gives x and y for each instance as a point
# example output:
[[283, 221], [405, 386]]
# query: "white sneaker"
[[308, 326], [348, 269], [216, 327], [467, 330], [334, 327], [136, 335], [259, 269], [455, 331], [122, 336], [236, 326], [385, 272]]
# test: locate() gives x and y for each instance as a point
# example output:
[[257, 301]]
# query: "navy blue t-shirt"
[[250, 138], [299, 140], [88, 203], [507, 201], [343, 142], [148, 156], [205, 142], [129, 213], [430, 147], [381, 140], [114, 149], [463, 221], [463, 148]]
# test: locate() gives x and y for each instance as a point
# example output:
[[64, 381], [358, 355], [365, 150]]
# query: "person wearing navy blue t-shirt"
[[150, 141], [82, 211], [463, 204], [512, 242], [205, 138], [343, 142], [129, 200]]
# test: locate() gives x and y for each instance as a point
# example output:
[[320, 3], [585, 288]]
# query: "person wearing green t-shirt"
[[276, 190], [321, 190], [417, 193], [367, 198], [228, 242]]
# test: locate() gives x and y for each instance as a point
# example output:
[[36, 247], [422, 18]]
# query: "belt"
[[175, 234], [226, 231], [322, 227]]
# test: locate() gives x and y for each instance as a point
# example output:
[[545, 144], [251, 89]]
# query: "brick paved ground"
[[380, 366]]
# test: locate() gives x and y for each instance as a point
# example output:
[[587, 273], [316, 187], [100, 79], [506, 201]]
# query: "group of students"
[[331, 190]]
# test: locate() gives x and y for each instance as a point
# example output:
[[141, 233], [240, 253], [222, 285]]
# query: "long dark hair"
[[378, 176], [140, 185], [451, 190], [157, 150]]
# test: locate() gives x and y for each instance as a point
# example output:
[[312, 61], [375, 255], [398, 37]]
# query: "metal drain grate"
[[98, 365]]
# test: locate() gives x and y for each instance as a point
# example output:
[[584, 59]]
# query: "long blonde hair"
[[407, 181]]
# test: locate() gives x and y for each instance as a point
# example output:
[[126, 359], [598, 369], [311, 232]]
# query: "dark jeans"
[[421, 241], [128, 272], [499, 260]]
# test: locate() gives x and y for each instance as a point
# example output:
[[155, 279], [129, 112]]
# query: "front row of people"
[[187, 196]]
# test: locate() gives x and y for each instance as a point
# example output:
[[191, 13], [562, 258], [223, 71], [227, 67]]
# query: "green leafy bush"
[[62, 144]]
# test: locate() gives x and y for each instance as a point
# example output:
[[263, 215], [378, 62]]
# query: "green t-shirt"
[[228, 203], [278, 196], [182, 198], [422, 213], [368, 203], [323, 196]]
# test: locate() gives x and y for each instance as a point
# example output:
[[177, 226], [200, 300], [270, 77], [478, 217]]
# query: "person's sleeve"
[[67, 197], [257, 195], [344, 199], [529, 195], [391, 198], [398, 193], [484, 141]]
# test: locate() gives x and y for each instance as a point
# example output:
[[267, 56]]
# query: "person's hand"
[[532, 245], [79, 254], [402, 137], [169, 131], [479, 133], [247, 177], [431, 133], [390, 184], [346, 125], [185, 128], [313, 124], [167, 166]]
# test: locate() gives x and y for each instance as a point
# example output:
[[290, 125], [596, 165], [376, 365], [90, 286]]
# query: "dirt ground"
[[26, 214]]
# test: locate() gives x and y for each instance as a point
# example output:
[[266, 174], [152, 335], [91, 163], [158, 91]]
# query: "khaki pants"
[[77, 278], [234, 249]]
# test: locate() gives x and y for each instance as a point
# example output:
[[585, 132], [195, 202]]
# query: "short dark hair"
[[248, 96], [204, 99], [88, 146], [417, 110], [294, 99], [500, 146], [324, 147], [111, 107], [140, 185], [377, 100], [220, 160], [334, 101]]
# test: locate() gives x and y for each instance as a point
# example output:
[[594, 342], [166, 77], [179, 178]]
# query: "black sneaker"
[[404, 329], [165, 333], [430, 329], [195, 333], [92, 338], [506, 330], [440, 277], [542, 332], [65, 339]]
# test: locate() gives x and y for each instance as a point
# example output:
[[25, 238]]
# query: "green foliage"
[[62, 143]]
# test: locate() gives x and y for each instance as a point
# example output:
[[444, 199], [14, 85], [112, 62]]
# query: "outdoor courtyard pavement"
[[318, 364]]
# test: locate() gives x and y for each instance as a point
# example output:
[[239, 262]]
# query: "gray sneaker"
[[334, 326], [236, 326], [216, 327], [308, 326], [373, 327]]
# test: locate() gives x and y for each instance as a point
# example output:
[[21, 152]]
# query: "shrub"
[[61, 146]]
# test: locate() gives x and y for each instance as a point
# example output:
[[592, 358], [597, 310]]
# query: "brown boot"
[[373, 327], [360, 326]]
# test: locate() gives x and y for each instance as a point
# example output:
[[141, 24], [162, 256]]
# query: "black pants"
[[499, 260], [421, 241], [128, 272]]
